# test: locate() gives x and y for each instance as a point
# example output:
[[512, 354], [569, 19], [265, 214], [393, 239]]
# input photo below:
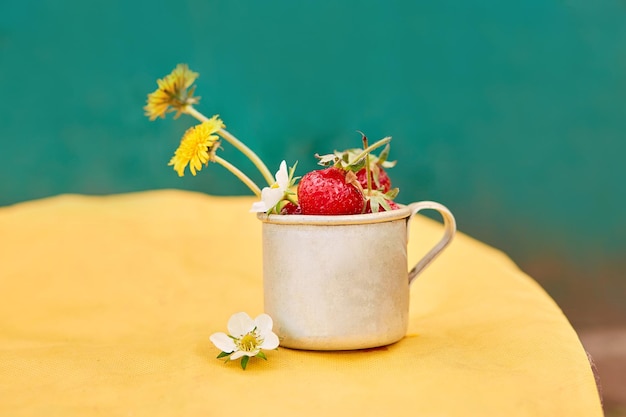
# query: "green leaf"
[[374, 205], [388, 164], [376, 175], [292, 179], [244, 362], [369, 149], [385, 205], [261, 355], [384, 154], [391, 194], [223, 354], [326, 160], [356, 166]]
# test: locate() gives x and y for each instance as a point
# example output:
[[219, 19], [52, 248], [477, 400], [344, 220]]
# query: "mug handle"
[[450, 229]]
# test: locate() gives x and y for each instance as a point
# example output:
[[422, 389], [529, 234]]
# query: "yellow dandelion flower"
[[197, 146], [175, 93]]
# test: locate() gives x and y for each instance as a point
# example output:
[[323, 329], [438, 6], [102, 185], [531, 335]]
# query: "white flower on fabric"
[[271, 196], [246, 338]]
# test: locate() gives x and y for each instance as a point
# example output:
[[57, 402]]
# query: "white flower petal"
[[270, 341], [223, 342], [258, 207], [264, 324], [282, 176], [237, 355], [240, 324], [241, 353], [271, 196], [252, 353]]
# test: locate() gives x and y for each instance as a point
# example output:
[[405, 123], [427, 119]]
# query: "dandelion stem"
[[237, 173], [237, 144]]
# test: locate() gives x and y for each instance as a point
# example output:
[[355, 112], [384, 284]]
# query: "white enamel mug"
[[341, 282]]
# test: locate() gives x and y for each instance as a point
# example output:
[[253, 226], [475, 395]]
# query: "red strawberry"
[[291, 208], [327, 192], [384, 183]]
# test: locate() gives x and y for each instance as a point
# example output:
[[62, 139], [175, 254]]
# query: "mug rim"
[[322, 220]]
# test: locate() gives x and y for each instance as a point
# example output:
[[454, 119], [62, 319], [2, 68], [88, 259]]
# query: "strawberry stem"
[[370, 148], [367, 165]]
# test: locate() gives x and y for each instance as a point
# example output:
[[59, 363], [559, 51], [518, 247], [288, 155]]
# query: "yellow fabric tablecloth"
[[107, 304]]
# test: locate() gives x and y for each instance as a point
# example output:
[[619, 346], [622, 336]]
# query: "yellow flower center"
[[248, 343]]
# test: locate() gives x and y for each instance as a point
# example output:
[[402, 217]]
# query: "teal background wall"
[[511, 113]]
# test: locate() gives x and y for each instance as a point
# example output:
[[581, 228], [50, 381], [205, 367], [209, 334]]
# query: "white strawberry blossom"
[[271, 196], [246, 337]]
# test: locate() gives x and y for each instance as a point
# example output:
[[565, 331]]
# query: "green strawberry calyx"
[[378, 199], [355, 159]]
